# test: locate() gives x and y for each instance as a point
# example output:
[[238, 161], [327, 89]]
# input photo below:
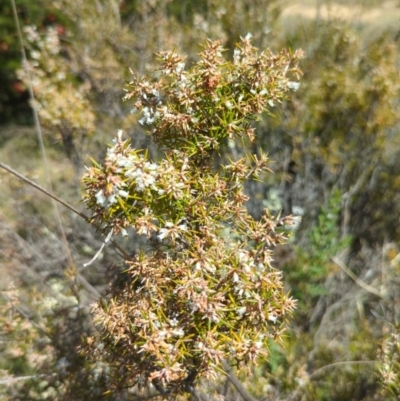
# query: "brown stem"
[[41, 189], [235, 381]]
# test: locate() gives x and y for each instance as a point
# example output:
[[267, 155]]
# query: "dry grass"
[[373, 19]]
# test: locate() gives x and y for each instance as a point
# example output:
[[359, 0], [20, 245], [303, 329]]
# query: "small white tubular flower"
[[293, 85], [149, 115], [248, 36], [236, 56], [35, 55], [241, 311], [260, 267], [171, 231], [100, 198], [144, 174], [272, 317], [111, 199], [151, 166], [183, 226], [123, 194], [123, 161], [111, 154], [178, 332], [163, 233], [180, 67]]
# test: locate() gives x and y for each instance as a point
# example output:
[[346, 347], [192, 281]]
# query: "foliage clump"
[[205, 291], [390, 366]]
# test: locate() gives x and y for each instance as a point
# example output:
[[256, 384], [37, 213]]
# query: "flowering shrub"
[[61, 102], [205, 291]]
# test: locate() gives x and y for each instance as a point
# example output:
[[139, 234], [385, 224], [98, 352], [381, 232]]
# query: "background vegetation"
[[335, 150]]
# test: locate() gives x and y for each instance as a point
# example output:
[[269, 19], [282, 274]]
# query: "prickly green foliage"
[[206, 292]]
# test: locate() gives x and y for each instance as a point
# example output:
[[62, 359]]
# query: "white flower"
[[162, 233], [241, 311], [100, 198], [123, 161], [151, 166], [229, 105], [123, 193], [171, 230], [183, 226], [248, 36], [179, 67], [236, 56], [272, 317], [60, 76], [178, 332], [112, 199], [293, 85], [231, 144], [149, 115], [103, 200], [144, 176]]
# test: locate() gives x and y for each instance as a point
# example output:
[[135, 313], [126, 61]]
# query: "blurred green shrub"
[[312, 263]]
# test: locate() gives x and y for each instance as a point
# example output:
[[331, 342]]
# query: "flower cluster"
[[206, 291], [232, 94]]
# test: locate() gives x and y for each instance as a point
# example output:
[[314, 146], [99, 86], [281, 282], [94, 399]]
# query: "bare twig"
[[198, 395], [11, 380], [41, 189], [235, 381], [341, 363], [4, 166], [361, 283]]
